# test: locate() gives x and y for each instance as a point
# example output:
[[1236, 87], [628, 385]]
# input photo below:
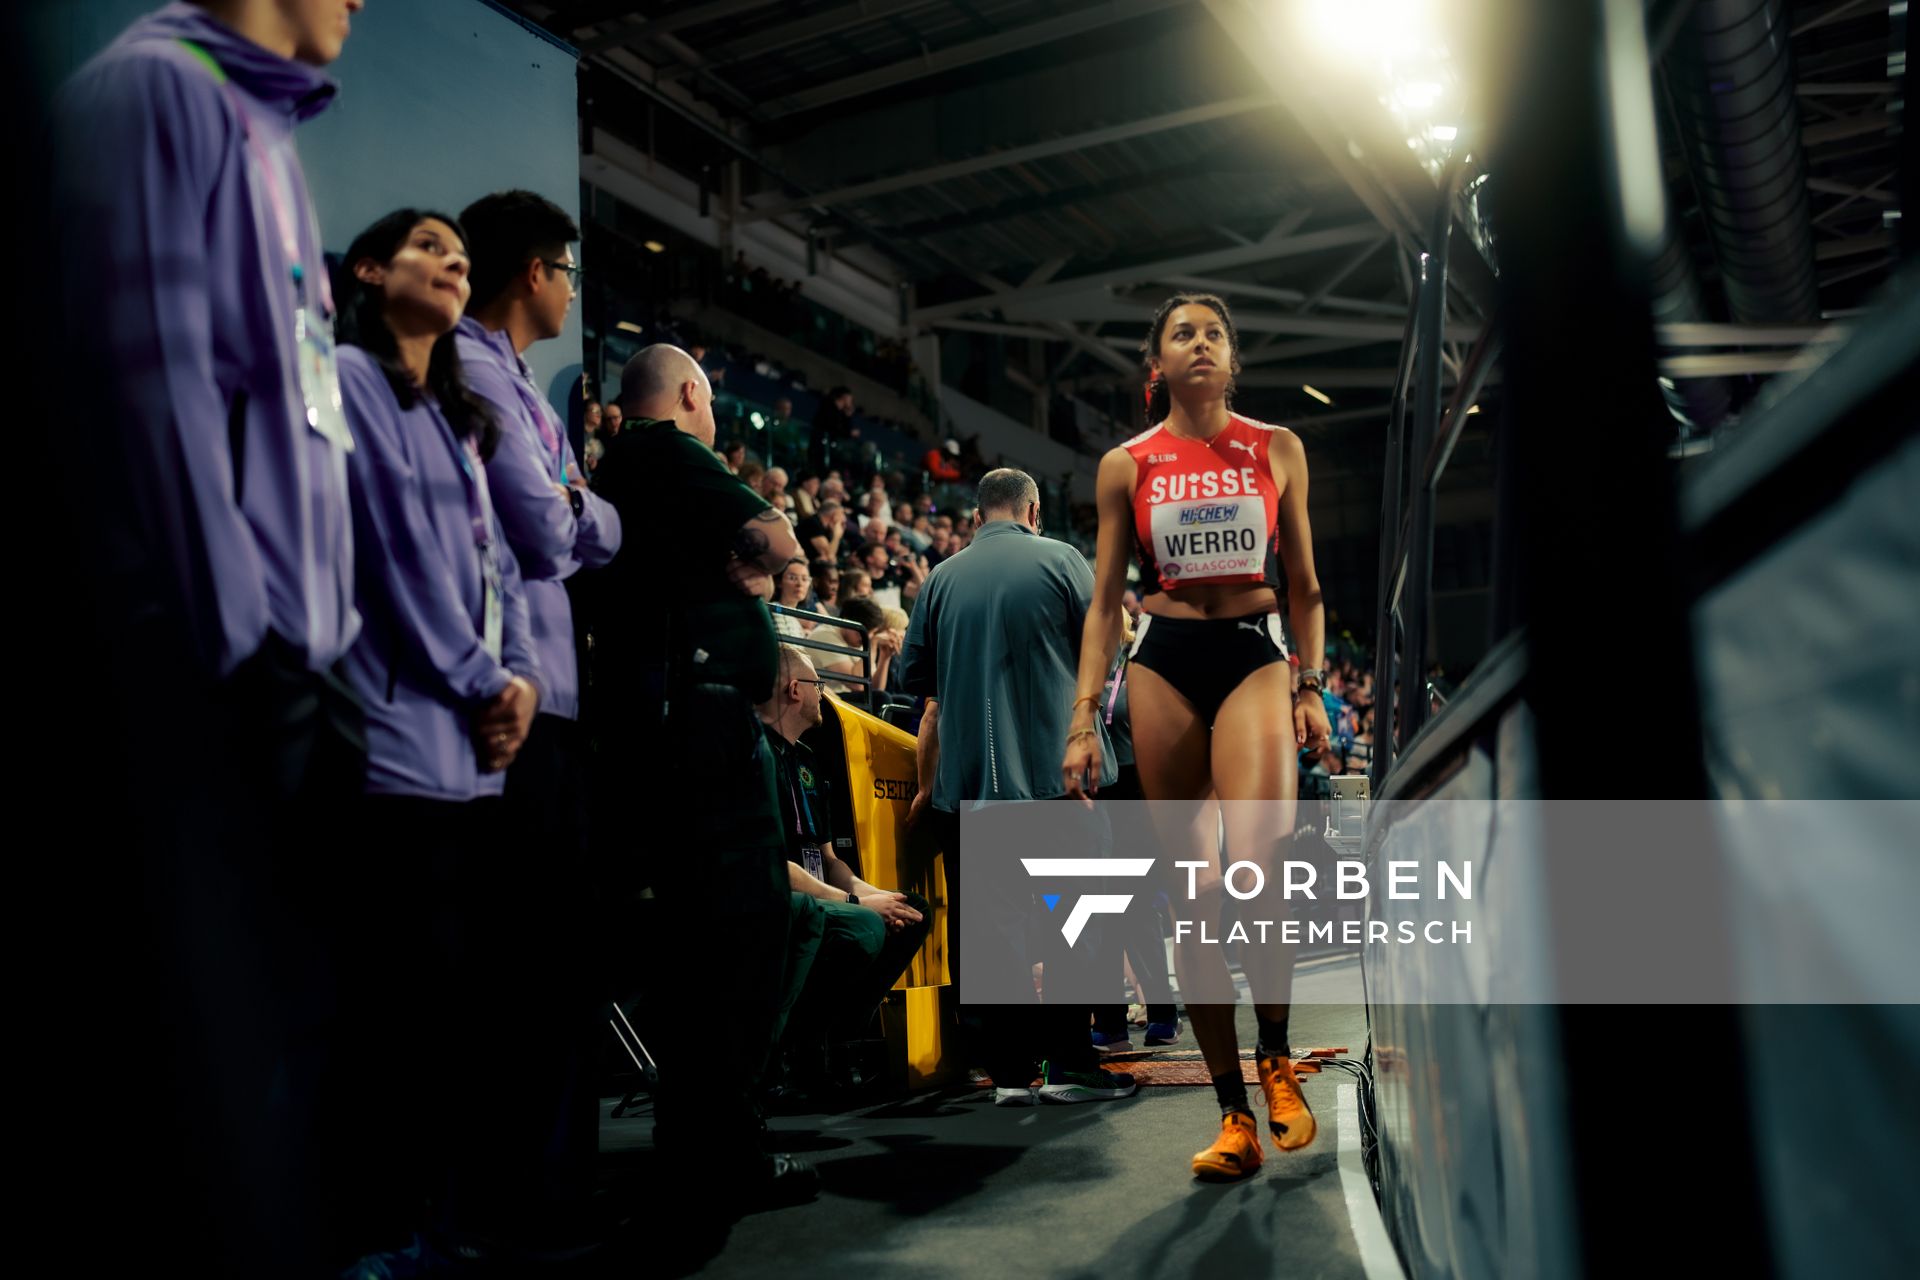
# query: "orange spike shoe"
[[1289, 1118], [1234, 1154]]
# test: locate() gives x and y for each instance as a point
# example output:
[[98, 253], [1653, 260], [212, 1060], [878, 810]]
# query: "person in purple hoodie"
[[447, 667], [219, 548], [544, 1115]]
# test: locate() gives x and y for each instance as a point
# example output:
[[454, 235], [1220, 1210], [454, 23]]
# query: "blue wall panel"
[[441, 101]]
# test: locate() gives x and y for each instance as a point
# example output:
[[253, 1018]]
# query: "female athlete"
[[1210, 501]]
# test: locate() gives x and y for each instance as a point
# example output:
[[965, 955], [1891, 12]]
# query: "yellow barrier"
[[881, 780]]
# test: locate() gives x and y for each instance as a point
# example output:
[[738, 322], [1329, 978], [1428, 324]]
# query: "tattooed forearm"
[[755, 543]]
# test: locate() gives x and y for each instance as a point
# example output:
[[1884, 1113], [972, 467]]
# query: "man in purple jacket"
[[195, 280], [546, 1119]]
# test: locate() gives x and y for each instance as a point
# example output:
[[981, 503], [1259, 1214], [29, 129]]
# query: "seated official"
[[870, 934]]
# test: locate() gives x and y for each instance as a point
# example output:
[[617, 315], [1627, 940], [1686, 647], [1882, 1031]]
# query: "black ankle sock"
[[1273, 1038], [1231, 1091]]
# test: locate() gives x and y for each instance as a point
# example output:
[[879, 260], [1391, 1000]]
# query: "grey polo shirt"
[[995, 636]]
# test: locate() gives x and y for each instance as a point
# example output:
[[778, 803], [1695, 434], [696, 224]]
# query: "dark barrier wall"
[[441, 101]]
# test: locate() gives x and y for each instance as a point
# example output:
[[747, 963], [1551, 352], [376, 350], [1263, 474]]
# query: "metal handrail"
[[865, 678]]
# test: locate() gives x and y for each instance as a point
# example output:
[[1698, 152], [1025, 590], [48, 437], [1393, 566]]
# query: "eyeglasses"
[[804, 680], [571, 268]]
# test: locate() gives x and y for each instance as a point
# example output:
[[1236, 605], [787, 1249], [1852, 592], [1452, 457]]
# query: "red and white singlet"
[[1205, 510]]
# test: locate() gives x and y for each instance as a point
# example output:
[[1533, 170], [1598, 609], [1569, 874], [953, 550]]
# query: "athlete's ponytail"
[[1159, 400]]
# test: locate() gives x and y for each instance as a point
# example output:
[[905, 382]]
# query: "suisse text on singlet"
[[1207, 525]]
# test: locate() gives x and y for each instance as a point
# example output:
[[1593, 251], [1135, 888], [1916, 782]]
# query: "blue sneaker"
[[1112, 1042], [1159, 1033]]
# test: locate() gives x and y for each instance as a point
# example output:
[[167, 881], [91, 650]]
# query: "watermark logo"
[[1092, 904]]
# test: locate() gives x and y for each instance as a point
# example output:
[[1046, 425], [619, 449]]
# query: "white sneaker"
[[1025, 1097]]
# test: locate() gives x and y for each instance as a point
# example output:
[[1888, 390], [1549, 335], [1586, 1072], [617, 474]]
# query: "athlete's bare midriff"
[[1227, 600]]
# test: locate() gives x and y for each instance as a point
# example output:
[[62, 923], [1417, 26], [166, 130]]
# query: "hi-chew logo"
[[1210, 515], [1093, 904]]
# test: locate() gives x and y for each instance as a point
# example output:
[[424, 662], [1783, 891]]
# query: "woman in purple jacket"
[[445, 664]]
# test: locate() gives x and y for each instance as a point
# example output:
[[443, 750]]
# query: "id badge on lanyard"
[[814, 860], [493, 610], [318, 362], [320, 375]]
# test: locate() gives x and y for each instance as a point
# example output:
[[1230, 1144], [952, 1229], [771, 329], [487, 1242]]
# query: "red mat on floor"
[[1183, 1067]]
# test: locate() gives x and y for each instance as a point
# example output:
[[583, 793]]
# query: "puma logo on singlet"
[[1243, 444], [1254, 627]]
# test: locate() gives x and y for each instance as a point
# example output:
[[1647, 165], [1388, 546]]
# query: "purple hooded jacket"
[[420, 664], [550, 543], [226, 509]]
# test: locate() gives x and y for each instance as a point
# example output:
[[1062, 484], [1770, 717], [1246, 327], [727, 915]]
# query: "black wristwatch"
[[853, 899], [578, 501]]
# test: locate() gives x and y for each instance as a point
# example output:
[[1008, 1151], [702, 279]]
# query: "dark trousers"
[[421, 963], [1135, 937], [858, 960], [543, 1116], [706, 838], [215, 890], [1009, 1039]]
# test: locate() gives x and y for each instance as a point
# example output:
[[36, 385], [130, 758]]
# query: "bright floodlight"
[[758, 421], [1444, 132], [1321, 396], [654, 246], [1418, 96], [1377, 28]]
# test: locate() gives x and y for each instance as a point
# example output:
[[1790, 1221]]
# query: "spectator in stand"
[[881, 642], [940, 545], [791, 591], [826, 587], [773, 487], [822, 535], [942, 464], [596, 449], [854, 585], [591, 417], [806, 496], [1360, 754], [870, 934], [610, 420], [787, 436], [833, 428], [734, 454], [875, 517], [754, 476], [887, 576], [904, 524]]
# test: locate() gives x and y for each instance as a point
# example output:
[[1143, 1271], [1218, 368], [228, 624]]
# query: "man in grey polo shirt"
[[994, 646]]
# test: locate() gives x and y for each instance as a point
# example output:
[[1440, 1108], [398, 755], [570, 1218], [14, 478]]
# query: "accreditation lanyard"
[[549, 438], [312, 329], [479, 503]]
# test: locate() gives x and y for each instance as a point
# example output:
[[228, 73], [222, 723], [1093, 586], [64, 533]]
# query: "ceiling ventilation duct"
[[1730, 75]]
